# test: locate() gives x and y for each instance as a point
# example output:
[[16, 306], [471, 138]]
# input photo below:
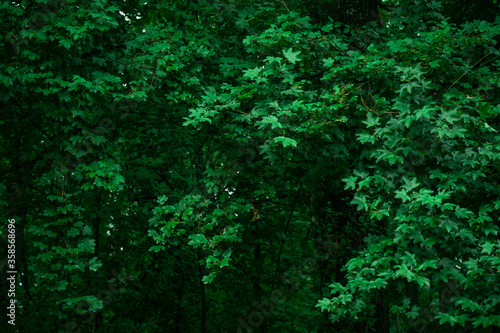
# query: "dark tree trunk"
[[203, 327]]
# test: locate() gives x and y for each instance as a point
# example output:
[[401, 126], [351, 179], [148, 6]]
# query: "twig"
[[277, 268], [33, 122], [468, 69], [285, 5]]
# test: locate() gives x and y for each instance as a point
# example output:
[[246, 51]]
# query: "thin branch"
[[34, 123], [468, 69], [285, 5], [283, 240]]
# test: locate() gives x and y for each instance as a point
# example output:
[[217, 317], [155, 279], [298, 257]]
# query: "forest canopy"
[[250, 166]]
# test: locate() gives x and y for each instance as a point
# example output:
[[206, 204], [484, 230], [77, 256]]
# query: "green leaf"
[[209, 278], [61, 285], [270, 59], [291, 56], [371, 120], [397, 46], [197, 240], [187, 212], [422, 281], [446, 318], [403, 195], [273, 121], [410, 184], [157, 248], [94, 303], [434, 64], [424, 112], [350, 182], [487, 248], [285, 141], [365, 138], [94, 264], [324, 304], [449, 116], [253, 73], [360, 200], [408, 87]]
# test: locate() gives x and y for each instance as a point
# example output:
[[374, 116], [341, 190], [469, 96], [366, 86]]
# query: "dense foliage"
[[251, 166]]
